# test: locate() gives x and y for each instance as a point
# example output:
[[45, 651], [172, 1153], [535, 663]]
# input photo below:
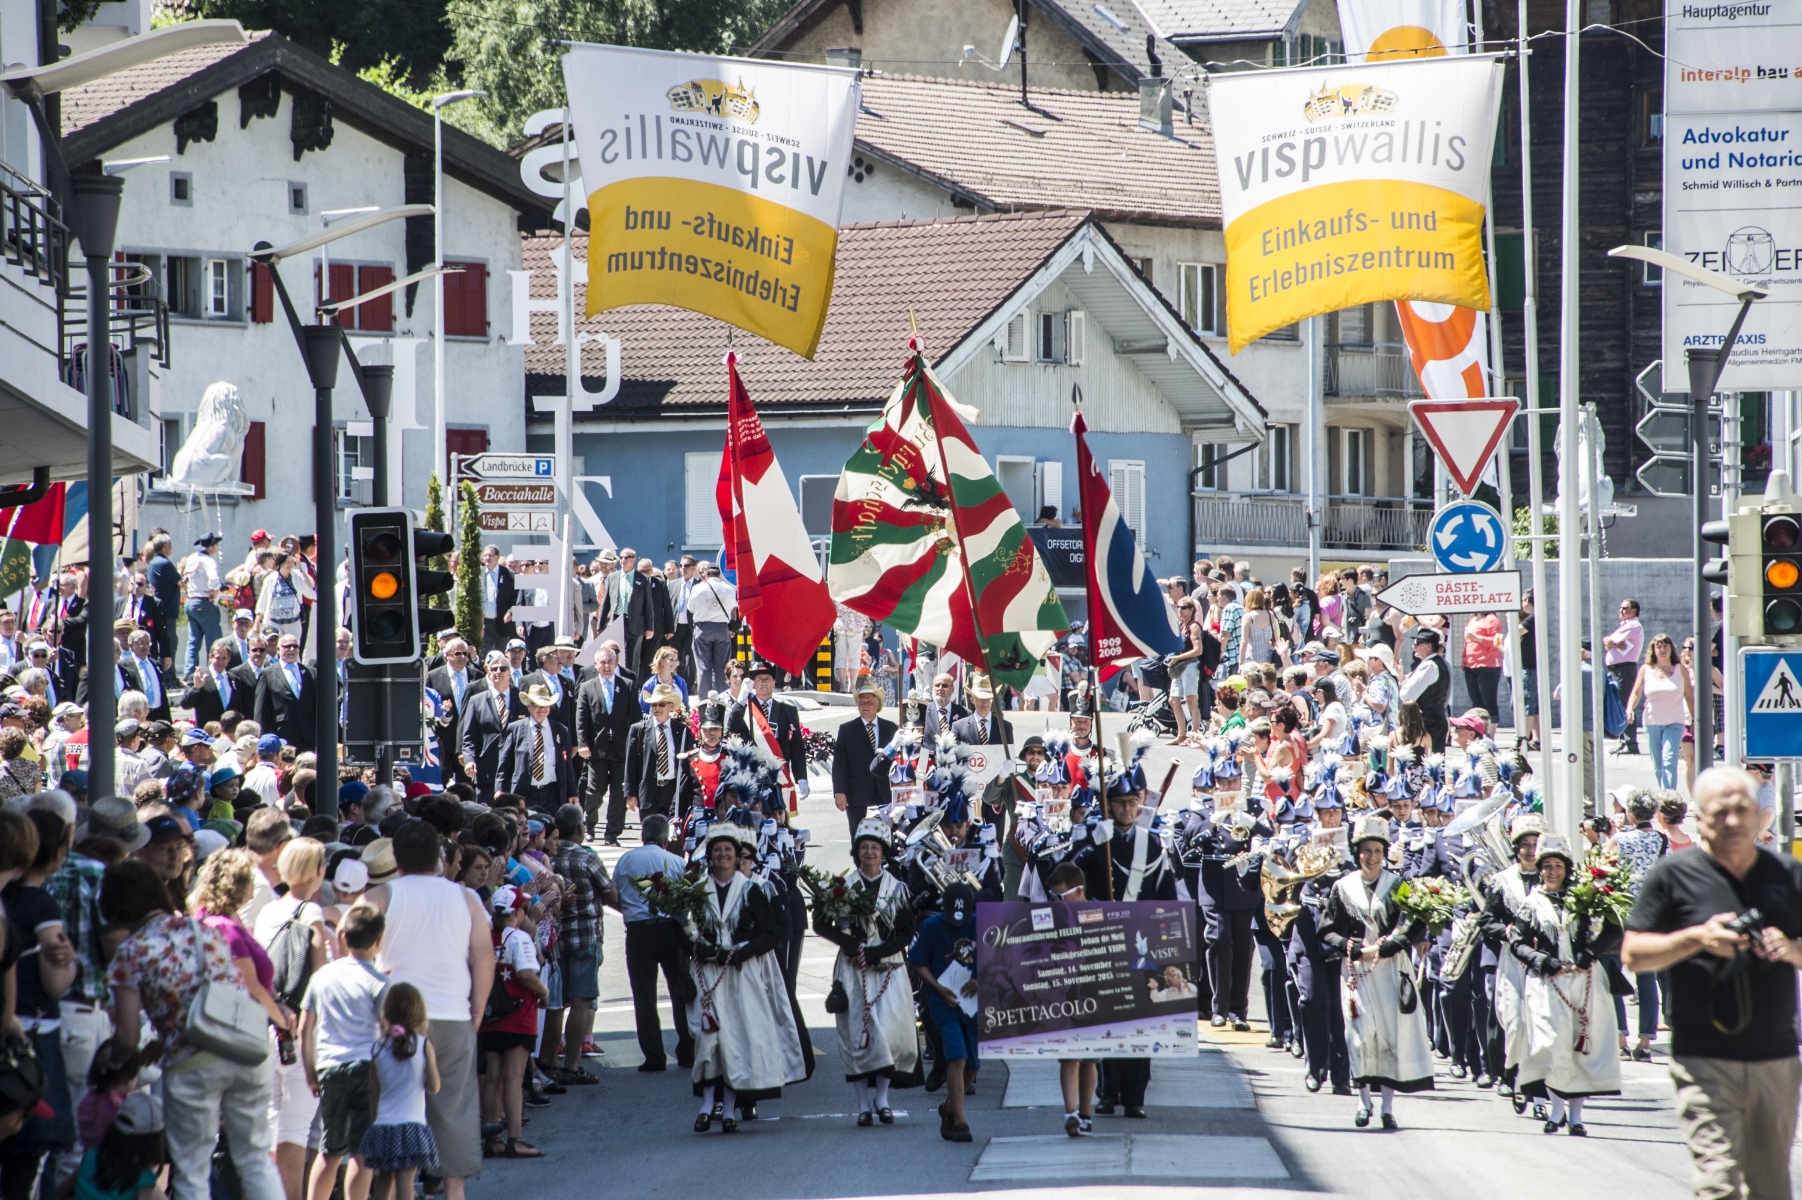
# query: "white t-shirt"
[[517, 950], [265, 782], [346, 996], [1334, 714]]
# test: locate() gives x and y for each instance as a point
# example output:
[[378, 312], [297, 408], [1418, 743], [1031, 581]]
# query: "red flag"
[[766, 737], [1129, 617], [42, 522], [781, 589]]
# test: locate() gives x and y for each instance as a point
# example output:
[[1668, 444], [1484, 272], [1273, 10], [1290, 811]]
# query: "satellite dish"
[[1008, 42]]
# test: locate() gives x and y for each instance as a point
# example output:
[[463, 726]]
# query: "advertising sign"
[[714, 184], [1086, 980], [1726, 57], [1733, 203], [1345, 185]]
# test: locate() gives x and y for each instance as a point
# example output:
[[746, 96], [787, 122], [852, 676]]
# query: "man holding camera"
[[1723, 919]]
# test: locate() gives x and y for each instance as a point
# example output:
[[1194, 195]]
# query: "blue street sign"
[[1467, 535], [1773, 697]]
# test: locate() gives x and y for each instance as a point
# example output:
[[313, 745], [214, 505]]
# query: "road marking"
[[1190, 1156], [1206, 1081]]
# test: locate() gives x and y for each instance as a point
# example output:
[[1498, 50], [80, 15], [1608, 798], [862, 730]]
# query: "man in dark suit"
[[654, 751], [499, 595], [858, 779], [454, 681], [285, 696], [783, 720], [246, 674], [141, 605], [242, 635], [216, 687], [489, 711], [165, 584], [943, 710], [606, 712], [534, 759], [562, 688], [126, 678], [984, 726], [644, 623], [150, 674]]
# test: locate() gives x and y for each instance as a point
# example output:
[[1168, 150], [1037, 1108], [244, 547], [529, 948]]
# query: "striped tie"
[[538, 754], [662, 751]]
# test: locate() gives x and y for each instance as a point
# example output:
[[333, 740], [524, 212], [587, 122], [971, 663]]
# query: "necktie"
[[459, 685], [500, 706], [607, 690], [538, 753], [869, 728], [219, 682], [662, 751]]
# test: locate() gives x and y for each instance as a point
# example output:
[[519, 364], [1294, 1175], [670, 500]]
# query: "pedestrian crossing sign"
[[1772, 689]]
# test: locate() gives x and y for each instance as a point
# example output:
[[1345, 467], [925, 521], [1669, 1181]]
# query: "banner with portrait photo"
[[1346, 185], [1090, 979], [714, 184]]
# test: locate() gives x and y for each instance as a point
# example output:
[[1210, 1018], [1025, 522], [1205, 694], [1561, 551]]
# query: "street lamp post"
[[440, 406], [95, 215]]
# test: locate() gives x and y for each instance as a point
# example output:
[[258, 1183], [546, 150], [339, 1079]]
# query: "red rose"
[[1606, 890]]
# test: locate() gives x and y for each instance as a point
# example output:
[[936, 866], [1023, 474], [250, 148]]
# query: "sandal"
[[519, 1149], [494, 1147], [577, 1077]]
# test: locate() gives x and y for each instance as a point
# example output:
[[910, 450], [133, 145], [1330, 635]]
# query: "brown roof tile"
[[1070, 149], [83, 106], [951, 273]]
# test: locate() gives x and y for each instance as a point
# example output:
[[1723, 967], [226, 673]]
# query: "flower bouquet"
[[1431, 899], [832, 896], [1602, 889], [683, 897]]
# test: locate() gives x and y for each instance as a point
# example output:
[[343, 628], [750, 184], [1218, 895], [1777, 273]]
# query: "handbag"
[[501, 1003], [1410, 995], [224, 1019], [837, 1001], [21, 1076]]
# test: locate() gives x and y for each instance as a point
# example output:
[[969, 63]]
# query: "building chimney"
[[1155, 105], [845, 56]]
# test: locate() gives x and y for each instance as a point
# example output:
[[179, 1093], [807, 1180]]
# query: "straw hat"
[[378, 860]]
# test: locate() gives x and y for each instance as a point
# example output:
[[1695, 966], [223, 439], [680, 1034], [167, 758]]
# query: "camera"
[[1749, 922], [1600, 825]]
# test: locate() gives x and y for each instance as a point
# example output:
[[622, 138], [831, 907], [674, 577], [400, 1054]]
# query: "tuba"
[[932, 850], [1466, 937], [1280, 881]]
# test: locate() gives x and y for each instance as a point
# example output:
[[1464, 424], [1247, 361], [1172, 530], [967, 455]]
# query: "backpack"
[[291, 952]]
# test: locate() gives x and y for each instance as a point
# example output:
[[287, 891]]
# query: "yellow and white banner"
[[1346, 185], [1375, 30], [714, 184]]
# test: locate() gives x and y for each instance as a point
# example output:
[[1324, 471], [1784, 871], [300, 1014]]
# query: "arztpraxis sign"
[[1344, 185], [714, 184]]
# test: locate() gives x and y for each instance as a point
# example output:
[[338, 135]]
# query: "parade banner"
[[1346, 185], [1129, 616], [1375, 30], [1091, 979], [715, 184]]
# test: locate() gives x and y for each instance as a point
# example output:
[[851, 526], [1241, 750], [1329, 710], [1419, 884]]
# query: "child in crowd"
[[399, 1142], [123, 1166], [109, 1083], [340, 1021]]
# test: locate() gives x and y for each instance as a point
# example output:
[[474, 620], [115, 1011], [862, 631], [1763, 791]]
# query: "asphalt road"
[[1235, 1123]]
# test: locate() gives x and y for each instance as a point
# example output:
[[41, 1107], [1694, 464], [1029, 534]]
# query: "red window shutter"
[[251, 466], [378, 314], [466, 301], [344, 286], [262, 294], [465, 442]]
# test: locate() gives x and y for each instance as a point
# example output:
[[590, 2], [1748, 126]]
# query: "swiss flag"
[[42, 522], [781, 590]]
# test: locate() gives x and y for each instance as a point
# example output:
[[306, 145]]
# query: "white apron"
[[1559, 1013], [1386, 1046], [752, 1044], [1510, 972], [877, 1032]]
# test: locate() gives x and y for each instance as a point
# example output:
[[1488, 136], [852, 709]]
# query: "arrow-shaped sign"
[[1464, 433], [1469, 592]]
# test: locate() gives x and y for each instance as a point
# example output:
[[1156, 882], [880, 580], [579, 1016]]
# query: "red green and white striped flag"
[[925, 541]]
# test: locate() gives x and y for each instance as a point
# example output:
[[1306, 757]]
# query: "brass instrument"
[[1466, 937], [1280, 880], [932, 851]]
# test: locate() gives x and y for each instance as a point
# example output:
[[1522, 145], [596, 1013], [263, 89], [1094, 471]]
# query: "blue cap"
[[270, 744], [534, 826], [75, 781], [196, 736], [352, 792]]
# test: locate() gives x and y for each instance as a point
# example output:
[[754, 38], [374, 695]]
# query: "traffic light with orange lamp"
[[387, 581], [1780, 563]]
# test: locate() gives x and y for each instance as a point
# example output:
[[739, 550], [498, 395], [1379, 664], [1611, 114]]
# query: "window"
[[1126, 477], [1354, 325], [182, 285], [169, 435], [1051, 487], [341, 285], [702, 528], [1198, 297], [297, 199], [1510, 272], [467, 443], [252, 466], [1354, 463], [218, 289], [1651, 118], [1653, 275], [466, 300], [1420, 483], [1212, 476], [1050, 346], [1288, 333], [1012, 341], [1277, 460], [181, 189], [355, 446], [1143, 266], [1076, 330], [1019, 478]]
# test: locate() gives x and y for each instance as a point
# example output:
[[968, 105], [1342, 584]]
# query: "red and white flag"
[[781, 589], [766, 737]]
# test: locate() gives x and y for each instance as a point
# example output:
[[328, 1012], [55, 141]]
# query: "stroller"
[[1153, 715]]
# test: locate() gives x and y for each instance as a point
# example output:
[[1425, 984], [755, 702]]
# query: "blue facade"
[[647, 510]]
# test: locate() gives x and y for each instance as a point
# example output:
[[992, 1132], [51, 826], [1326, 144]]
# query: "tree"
[[468, 603], [1523, 527], [499, 46], [413, 35], [434, 521]]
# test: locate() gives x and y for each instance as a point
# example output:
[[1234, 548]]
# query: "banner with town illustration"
[[1346, 185], [714, 184]]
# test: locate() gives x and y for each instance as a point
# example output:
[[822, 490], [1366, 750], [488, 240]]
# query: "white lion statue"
[[209, 459]]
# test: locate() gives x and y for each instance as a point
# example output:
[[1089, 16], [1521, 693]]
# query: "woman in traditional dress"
[[746, 1047], [876, 1039], [1567, 1012], [1505, 898], [1385, 1028]]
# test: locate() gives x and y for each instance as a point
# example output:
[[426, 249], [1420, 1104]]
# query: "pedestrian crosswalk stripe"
[[1206, 1081], [1189, 1156]]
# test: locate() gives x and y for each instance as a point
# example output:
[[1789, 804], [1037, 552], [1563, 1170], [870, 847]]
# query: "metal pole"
[[1731, 735], [1316, 445], [378, 391], [440, 405], [1529, 324], [323, 346], [1598, 674], [96, 219], [1703, 370], [1570, 550], [1786, 804], [563, 426]]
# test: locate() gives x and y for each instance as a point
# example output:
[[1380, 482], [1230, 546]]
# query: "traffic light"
[[1780, 569], [386, 584]]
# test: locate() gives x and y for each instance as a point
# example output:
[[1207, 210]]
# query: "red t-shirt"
[[514, 951]]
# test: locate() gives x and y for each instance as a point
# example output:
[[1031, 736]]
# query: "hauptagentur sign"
[[1344, 185], [714, 184]]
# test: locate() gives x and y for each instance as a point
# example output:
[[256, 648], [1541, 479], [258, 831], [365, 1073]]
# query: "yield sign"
[[1464, 433]]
